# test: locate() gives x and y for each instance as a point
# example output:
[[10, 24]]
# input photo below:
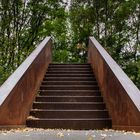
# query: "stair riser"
[[70, 75], [69, 66], [69, 88], [69, 106], [68, 72], [69, 114], [69, 69], [69, 79], [66, 93], [69, 124], [69, 99], [69, 83]]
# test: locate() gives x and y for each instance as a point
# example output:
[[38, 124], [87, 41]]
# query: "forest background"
[[114, 23]]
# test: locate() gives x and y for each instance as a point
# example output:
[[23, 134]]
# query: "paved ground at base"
[[40, 134]]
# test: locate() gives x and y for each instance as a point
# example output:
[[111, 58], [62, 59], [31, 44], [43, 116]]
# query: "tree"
[[115, 23], [22, 25]]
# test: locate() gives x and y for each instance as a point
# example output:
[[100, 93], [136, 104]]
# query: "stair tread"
[[69, 82], [68, 96], [70, 110], [68, 93], [69, 102], [69, 74], [70, 119], [69, 63], [94, 81], [55, 90], [69, 69], [69, 85], [69, 66], [69, 78]]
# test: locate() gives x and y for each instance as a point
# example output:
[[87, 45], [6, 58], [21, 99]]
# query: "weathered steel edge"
[[127, 128], [11, 82], [9, 127], [128, 85], [16, 107]]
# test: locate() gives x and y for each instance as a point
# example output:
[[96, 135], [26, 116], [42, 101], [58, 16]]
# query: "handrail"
[[120, 94], [18, 91]]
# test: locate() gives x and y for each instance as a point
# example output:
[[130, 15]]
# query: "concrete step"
[[70, 75], [69, 83], [98, 123], [69, 92], [69, 99], [69, 87], [69, 105], [69, 69], [69, 113], [75, 78], [69, 72], [69, 66]]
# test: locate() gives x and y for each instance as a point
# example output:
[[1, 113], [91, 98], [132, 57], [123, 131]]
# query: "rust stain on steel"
[[121, 96], [18, 92]]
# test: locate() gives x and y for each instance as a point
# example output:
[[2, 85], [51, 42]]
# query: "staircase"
[[69, 98]]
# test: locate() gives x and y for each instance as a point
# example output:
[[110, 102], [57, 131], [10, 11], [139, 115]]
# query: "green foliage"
[[115, 23], [25, 23]]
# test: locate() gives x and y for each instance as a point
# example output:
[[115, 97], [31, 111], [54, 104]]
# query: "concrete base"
[[40, 134]]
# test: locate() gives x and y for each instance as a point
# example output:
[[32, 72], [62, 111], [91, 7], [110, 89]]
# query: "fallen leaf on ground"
[[60, 134]]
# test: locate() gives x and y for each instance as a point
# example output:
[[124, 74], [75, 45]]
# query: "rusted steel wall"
[[18, 92], [121, 96]]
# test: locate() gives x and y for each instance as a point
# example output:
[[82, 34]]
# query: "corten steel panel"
[[121, 96], [18, 92]]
